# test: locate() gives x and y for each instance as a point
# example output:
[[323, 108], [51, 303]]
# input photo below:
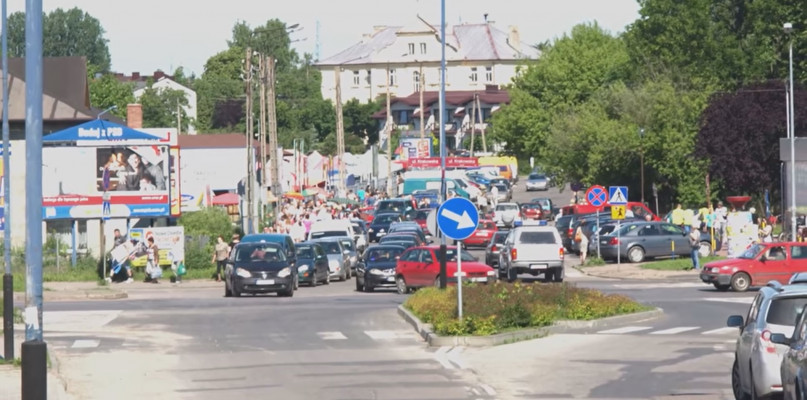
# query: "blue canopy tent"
[[99, 130]]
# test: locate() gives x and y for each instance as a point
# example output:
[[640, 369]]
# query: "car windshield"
[[383, 254], [451, 255], [331, 247], [322, 234], [486, 225], [398, 206], [531, 206], [386, 218], [624, 229], [259, 252], [537, 238], [500, 237], [305, 252], [752, 251], [506, 207], [536, 176], [357, 230], [783, 311], [348, 244]]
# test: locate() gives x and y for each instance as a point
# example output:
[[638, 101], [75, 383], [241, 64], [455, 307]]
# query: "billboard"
[[108, 181], [170, 241], [175, 192], [415, 148]]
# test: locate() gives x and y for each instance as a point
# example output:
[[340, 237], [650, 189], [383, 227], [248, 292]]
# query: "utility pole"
[[473, 124], [8, 278], [179, 119], [479, 112], [270, 114], [421, 85], [248, 136], [262, 133], [388, 128], [340, 132]]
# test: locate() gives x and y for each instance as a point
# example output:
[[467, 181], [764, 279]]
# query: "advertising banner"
[[451, 162], [415, 148], [170, 241], [174, 188], [115, 182]]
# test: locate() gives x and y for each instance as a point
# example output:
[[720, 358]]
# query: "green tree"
[[161, 106], [220, 93], [70, 32], [108, 91], [358, 119]]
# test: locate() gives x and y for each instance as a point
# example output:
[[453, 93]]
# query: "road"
[[331, 342]]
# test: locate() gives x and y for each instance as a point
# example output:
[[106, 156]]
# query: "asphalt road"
[[331, 342]]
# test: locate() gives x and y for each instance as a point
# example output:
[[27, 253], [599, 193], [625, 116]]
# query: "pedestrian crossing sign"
[[618, 195], [617, 212]]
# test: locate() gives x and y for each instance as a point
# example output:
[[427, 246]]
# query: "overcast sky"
[[147, 35]]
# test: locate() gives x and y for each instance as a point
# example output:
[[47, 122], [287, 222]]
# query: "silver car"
[[537, 182], [757, 359], [338, 257], [536, 250]]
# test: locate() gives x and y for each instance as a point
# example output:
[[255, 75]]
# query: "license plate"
[[481, 234], [390, 279], [538, 266], [478, 279], [265, 282]]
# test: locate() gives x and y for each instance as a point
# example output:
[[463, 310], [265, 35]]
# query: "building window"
[[411, 48], [486, 114], [403, 118], [488, 74], [416, 80], [392, 80], [423, 48], [474, 77], [369, 77], [356, 78]]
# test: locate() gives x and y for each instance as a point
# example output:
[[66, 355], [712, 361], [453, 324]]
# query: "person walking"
[[153, 268], [220, 252], [582, 240], [721, 214], [695, 244]]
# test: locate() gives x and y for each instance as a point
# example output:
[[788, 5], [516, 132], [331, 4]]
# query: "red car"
[[532, 211], [484, 232], [758, 265], [420, 266], [421, 215], [366, 213]]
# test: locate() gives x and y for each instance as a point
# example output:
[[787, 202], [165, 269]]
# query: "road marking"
[[85, 344], [659, 285], [740, 300], [78, 320], [331, 336], [488, 389], [440, 356], [722, 331], [389, 335], [626, 329], [455, 356], [673, 331]]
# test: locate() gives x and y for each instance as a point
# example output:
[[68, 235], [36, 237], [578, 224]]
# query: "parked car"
[[794, 363], [353, 254], [495, 245], [636, 241], [759, 264], [502, 181], [537, 181], [377, 268], [484, 232], [338, 257], [259, 267], [503, 193], [532, 211], [758, 370], [536, 250], [312, 264], [380, 225], [285, 241], [546, 205], [420, 267]]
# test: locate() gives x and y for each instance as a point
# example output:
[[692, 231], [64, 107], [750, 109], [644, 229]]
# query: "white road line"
[[440, 356], [85, 344], [455, 356], [740, 300], [659, 285], [722, 331], [626, 329], [673, 331], [388, 335], [331, 336], [488, 389]]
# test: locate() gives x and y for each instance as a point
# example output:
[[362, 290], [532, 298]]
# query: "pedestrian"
[[119, 240], [582, 240], [220, 252], [176, 255], [494, 196], [153, 269], [721, 213], [695, 244], [765, 231]]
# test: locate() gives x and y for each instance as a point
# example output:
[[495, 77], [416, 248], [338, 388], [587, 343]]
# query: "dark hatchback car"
[[312, 264], [377, 269], [494, 247], [285, 241], [380, 225], [260, 267]]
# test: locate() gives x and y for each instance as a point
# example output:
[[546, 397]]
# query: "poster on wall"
[[175, 190], [135, 180], [414, 148], [169, 240]]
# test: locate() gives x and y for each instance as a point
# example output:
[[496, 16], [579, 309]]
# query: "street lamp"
[[106, 111], [641, 158], [788, 28]]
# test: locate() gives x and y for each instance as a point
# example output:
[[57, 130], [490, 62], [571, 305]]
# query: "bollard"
[[34, 370]]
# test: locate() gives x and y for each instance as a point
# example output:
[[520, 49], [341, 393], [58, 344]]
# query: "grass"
[[15, 362], [593, 262], [677, 264]]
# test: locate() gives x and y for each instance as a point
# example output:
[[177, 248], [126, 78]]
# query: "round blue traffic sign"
[[457, 218], [597, 196]]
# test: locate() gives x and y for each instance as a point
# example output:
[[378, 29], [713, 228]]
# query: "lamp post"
[[641, 159], [106, 111], [8, 278], [788, 27]]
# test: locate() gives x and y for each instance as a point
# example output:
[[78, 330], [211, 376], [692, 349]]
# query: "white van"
[[330, 228]]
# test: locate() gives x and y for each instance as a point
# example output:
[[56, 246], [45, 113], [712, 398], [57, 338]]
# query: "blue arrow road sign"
[[457, 218], [618, 195]]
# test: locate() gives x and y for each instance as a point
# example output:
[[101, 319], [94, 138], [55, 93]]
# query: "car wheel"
[[235, 291], [558, 274], [752, 385], [705, 249], [512, 274], [296, 282], [636, 254], [722, 288], [400, 285], [740, 282], [736, 384], [359, 286], [227, 291], [368, 288], [287, 293]]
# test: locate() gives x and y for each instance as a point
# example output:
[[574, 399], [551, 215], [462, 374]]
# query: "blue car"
[[380, 225], [377, 269], [479, 179]]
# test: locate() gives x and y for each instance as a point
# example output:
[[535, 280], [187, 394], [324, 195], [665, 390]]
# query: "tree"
[[108, 91], [161, 107], [65, 33], [220, 93], [358, 119]]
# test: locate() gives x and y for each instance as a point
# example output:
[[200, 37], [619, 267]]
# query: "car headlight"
[[333, 264], [302, 268], [376, 271], [242, 273], [491, 273], [370, 230], [284, 272]]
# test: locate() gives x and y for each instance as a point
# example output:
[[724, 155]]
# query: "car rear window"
[[322, 234], [784, 311], [537, 238], [486, 225]]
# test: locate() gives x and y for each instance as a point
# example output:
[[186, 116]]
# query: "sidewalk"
[[11, 377], [635, 271], [73, 291]]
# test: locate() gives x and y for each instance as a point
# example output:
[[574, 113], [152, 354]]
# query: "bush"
[[489, 309]]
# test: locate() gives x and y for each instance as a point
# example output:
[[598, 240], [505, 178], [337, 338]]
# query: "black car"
[[495, 245], [312, 264], [259, 267], [400, 238], [377, 268], [409, 228], [380, 225], [285, 241]]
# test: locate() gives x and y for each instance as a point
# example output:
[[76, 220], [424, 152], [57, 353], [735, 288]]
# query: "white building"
[[476, 55], [162, 82]]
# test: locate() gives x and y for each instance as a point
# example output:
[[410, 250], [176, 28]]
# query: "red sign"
[[434, 162]]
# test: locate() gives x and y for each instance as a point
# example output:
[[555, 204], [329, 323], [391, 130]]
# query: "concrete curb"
[[586, 272], [426, 331], [56, 370], [76, 295]]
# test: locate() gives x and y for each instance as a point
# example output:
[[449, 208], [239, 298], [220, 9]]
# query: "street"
[[331, 342]]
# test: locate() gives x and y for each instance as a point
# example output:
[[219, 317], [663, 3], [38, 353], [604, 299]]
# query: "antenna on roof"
[[486, 17]]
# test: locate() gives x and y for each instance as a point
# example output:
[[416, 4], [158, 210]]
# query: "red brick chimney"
[[158, 75], [135, 76], [134, 116]]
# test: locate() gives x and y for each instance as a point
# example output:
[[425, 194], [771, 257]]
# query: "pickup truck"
[[534, 250], [506, 214]]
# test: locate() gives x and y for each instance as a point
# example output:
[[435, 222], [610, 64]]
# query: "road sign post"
[[595, 196], [457, 219], [618, 197]]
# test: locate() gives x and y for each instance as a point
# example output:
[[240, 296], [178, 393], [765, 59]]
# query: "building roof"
[[453, 98], [465, 42], [66, 94]]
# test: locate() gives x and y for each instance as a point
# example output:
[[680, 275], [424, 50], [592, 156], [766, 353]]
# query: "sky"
[[147, 35]]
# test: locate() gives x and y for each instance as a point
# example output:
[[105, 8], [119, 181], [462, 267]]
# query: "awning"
[[100, 131], [226, 199]]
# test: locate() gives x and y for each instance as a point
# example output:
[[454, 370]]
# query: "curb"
[[426, 331], [76, 295], [620, 278]]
